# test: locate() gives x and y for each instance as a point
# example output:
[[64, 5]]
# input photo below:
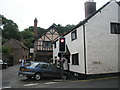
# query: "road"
[[10, 79]]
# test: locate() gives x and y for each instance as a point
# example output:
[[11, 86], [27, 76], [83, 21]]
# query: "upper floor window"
[[115, 28], [74, 35], [47, 44]]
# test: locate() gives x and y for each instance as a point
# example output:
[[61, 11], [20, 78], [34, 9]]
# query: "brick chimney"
[[35, 27], [90, 7]]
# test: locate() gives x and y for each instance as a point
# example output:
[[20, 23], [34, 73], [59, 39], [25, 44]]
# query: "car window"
[[34, 65], [44, 66], [53, 67]]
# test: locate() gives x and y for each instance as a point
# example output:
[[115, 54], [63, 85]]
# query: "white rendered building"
[[94, 44]]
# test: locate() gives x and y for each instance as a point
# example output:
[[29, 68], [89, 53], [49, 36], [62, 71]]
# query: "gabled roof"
[[89, 17], [19, 43], [53, 26]]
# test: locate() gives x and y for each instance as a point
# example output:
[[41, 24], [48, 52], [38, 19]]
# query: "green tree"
[[6, 50], [28, 37], [64, 29], [10, 30]]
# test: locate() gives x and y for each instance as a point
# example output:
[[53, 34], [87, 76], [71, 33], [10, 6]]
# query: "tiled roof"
[[18, 43]]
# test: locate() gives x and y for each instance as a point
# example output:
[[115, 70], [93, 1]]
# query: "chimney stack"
[[35, 27], [90, 7]]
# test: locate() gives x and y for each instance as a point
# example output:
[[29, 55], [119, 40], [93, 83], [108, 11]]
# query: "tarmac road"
[[10, 79]]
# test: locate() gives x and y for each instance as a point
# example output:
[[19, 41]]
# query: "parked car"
[[39, 70], [3, 65]]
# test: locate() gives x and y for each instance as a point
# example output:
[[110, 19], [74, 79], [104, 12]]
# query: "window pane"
[[44, 66], [74, 35], [115, 28], [47, 44], [75, 59]]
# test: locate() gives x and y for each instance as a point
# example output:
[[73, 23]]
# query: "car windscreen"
[[33, 65]]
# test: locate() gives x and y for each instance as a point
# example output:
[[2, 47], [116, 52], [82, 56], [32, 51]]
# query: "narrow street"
[[10, 79]]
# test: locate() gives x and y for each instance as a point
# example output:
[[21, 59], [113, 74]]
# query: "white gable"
[[100, 45]]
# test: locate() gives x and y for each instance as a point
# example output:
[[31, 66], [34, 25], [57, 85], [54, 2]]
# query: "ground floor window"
[[75, 59]]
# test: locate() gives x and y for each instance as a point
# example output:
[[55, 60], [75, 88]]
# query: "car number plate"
[[22, 69]]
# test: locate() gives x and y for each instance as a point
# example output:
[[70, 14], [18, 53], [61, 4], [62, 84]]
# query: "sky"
[[47, 12]]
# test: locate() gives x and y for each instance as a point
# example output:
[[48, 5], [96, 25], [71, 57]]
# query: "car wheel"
[[64, 77], [38, 76]]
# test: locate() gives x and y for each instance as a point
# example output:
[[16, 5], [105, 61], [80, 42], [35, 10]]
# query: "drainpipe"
[[84, 38]]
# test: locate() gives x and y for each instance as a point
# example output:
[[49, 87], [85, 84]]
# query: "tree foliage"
[[28, 37], [10, 30], [6, 50], [64, 29]]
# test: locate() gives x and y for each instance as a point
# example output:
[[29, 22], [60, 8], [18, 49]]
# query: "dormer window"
[[74, 35]]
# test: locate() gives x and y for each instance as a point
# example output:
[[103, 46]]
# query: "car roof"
[[43, 63], [40, 62]]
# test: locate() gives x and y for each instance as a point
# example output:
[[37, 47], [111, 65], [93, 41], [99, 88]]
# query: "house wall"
[[18, 53], [17, 50], [56, 50], [101, 45], [119, 39], [76, 46], [45, 53], [51, 35]]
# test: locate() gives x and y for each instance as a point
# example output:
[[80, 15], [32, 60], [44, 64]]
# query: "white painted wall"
[[55, 53], [76, 46], [102, 46], [119, 39], [56, 50]]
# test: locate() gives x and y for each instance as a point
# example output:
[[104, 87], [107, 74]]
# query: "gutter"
[[84, 38]]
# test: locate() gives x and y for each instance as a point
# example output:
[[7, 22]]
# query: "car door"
[[54, 71], [44, 70]]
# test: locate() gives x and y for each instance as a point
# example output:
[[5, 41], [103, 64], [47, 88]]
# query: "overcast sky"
[[23, 12]]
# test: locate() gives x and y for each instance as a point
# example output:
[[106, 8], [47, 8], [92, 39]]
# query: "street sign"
[[31, 50]]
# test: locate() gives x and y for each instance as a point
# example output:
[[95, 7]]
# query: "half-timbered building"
[[43, 44]]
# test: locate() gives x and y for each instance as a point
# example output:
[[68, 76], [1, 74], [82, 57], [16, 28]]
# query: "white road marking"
[[32, 84], [6, 87], [50, 82]]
